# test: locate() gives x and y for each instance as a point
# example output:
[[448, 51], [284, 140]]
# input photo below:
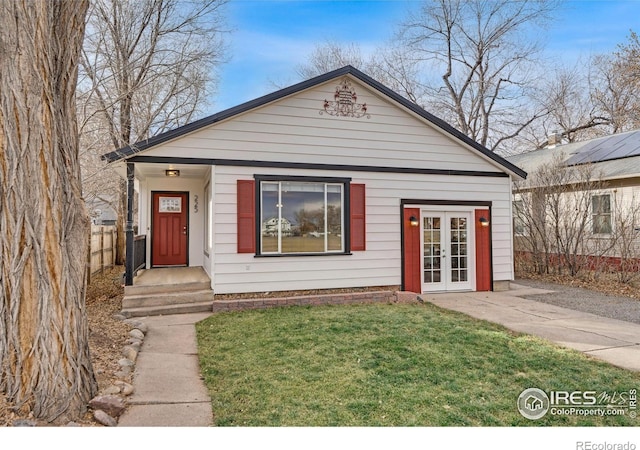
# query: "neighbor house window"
[[519, 218], [300, 216], [601, 214]]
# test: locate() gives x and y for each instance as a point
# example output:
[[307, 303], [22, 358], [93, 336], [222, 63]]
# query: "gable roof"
[[130, 150], [613, 156]]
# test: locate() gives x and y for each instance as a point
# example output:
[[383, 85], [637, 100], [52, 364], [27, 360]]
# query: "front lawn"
[[386, 365]]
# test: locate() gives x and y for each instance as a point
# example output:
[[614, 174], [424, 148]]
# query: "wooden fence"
[[102, 253]]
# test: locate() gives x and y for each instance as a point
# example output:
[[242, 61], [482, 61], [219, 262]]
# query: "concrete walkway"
[[168, 390], [614, 341]]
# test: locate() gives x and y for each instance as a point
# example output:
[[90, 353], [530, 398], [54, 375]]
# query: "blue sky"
[[270, 38]]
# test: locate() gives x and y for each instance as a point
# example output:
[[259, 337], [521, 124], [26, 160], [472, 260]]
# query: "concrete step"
[[166, 288], [166, 299], [184, 308]]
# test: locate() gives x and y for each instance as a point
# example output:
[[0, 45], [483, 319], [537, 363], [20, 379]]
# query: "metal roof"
[[617, 146], [615, 156]]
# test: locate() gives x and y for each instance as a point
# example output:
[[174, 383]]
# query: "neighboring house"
[[273, 226], [101, 212], [378, 192], [613, 162]]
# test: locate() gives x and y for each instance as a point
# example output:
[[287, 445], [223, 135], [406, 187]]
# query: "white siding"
[[294, 130], [208, 256], [380, 264]]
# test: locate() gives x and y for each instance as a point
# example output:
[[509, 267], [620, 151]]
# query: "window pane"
[[601, 204], [334, 217], [602, 224], [269, 219], [303, 217], [306, 217]]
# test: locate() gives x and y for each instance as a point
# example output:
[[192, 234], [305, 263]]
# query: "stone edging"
[[110, 404]]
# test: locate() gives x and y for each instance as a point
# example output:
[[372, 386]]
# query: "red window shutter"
[[246, 216], [358, 222]]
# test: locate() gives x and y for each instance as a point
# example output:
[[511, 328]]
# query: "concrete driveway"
[[614, 341]]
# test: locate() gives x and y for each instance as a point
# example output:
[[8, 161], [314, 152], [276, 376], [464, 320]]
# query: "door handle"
[[184, 230]]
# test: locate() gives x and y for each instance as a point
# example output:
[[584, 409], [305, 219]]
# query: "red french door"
[[169, 236]]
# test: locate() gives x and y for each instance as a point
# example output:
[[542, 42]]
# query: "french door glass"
[[446, 247]]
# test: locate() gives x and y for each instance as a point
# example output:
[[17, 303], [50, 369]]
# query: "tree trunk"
[[45, 366]]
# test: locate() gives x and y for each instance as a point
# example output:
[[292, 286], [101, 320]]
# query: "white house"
[[273, 226], [612, 163], [380, 191]]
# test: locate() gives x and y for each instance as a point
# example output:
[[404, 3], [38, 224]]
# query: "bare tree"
[[616, 91], [554, 208], [484, 61], [45, 366], [390, 66], [147, 66], [571, 115], [329, 56]]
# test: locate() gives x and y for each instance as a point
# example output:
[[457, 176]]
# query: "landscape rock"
[[111, 404], [123, 373], [136, 346], [119, 316], [142, 327], [112, 390], [104, 418], [138, 325], [125, 387], [134, 341], [137, 334], [130, 353], [124, 362], [24, 423], [73, 424]]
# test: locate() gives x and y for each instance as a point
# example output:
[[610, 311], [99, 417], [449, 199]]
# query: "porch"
[[168, 290]]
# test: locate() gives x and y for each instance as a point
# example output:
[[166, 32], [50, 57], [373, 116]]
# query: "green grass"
[[386, 365]]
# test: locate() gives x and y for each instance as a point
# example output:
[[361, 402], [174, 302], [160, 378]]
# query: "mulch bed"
[[304, 293], [606, 283]]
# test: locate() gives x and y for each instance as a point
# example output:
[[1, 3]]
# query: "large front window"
[[301, 217]]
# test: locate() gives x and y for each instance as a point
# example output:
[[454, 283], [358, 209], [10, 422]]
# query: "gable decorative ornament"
[[345, 102]]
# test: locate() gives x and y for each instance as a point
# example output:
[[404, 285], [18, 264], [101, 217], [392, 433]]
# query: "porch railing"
[[139, 252]]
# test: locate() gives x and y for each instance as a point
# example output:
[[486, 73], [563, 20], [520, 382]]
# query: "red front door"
[[169, 236]]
